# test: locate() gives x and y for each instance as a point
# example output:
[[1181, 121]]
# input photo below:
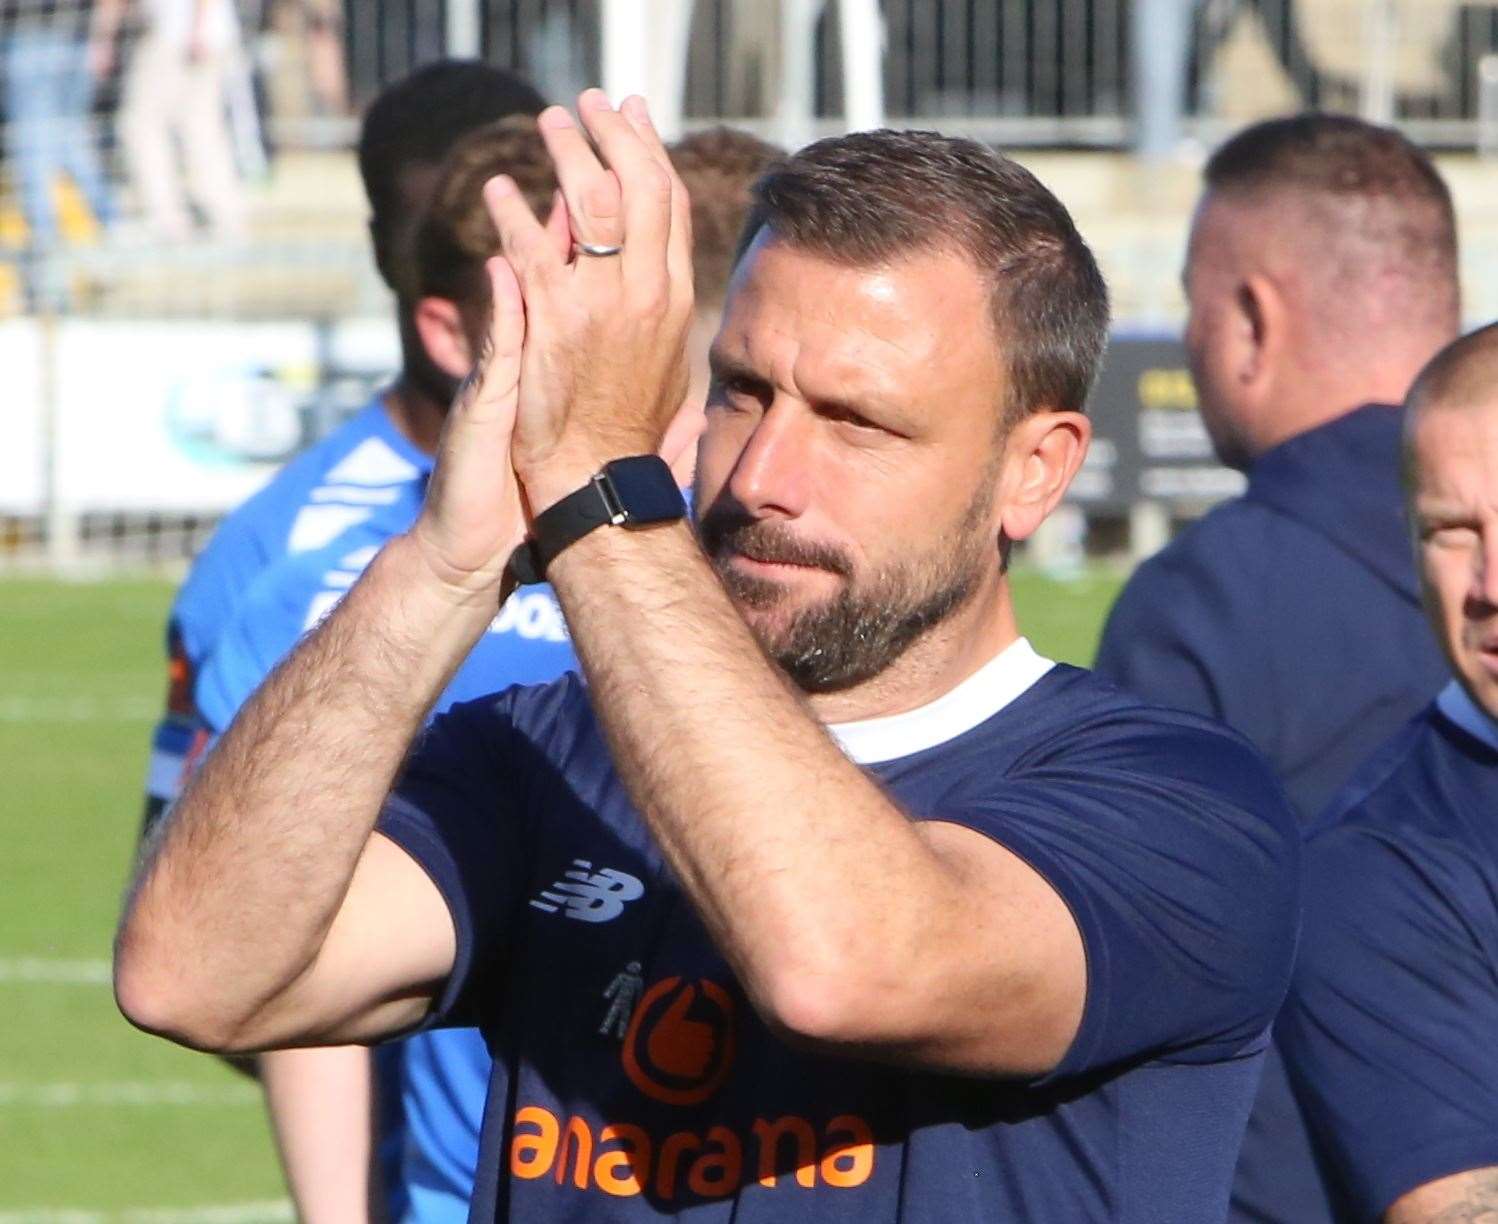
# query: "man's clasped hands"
[[584, 360]]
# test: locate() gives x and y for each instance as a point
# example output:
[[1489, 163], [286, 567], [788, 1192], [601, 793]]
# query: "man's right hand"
[[472, 519]]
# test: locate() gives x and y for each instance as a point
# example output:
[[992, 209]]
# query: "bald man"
[[1389, 1032], [1321, 274]]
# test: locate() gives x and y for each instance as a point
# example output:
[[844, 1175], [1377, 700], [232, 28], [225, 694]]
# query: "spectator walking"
[[54, 54], [175, 94]]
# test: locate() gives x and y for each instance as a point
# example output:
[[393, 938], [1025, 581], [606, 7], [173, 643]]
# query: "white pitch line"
[[79, 709], [53, 971], [270, 1211], [150, 1093]]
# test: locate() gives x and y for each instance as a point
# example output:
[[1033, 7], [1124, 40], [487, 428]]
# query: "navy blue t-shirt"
[[1390, 1029], [633, 1080]]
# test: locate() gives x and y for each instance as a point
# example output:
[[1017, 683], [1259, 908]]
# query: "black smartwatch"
[[633, 492]]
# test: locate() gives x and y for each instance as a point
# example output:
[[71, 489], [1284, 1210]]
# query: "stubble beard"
[[852, 636]]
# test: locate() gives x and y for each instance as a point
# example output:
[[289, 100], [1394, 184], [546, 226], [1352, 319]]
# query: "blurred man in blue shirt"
[[341, 481], [370, 469], [1388, 1033], [1321, 275]]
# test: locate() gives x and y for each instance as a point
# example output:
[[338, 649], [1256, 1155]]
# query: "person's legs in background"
[[34, 68], [153, 95], [212, 177], [79, 138]]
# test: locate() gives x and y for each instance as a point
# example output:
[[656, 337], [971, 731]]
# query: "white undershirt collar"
[[1457, 704], [978, 698]]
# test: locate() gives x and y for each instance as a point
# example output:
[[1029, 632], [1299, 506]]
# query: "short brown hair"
[[456, 235], [871, 197], [1396, 199], [719, 166]]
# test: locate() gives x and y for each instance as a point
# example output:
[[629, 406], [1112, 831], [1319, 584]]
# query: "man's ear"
[[439, 325], [1260, 324], [1041, 456]]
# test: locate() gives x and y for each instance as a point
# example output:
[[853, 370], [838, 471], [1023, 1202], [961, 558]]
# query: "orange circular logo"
[[679, 1046]]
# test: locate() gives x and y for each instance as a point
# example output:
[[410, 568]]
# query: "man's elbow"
[[835, 1003], [154, 1007], [907, 1024], [157, 999], [807, 1009]]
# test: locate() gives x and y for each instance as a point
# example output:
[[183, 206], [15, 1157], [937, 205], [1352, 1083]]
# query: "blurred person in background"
[[54, 53], [174, 121], [718, 166], [307, 74], [1321, 276], [436, 1081], [404, 137], [1388, 1030], [327, 70], [377, 458], [444, 1075]]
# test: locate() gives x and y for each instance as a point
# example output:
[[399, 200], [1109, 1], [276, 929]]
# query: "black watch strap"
[[632, 492]]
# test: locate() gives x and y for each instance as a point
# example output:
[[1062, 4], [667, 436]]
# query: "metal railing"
[[234, 342], [1052, 72]]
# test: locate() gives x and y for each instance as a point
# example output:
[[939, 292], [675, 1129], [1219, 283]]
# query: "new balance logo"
[[588, 895]]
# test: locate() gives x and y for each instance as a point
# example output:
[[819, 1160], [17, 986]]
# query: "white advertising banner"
[[23, 452], [167, 416], [364, 345]]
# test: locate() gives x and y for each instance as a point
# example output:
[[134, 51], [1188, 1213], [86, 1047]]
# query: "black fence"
[[1054, 71]]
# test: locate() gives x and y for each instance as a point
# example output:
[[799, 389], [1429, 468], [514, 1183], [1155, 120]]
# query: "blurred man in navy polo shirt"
[[1321, 275], [1389, 1031]]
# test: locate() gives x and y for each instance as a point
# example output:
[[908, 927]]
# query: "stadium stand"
[[242, 352]]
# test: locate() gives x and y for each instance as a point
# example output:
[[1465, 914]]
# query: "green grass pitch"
[[98, 1122]]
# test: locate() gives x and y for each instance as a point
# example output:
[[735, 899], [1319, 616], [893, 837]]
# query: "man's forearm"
[[240, 886], [321, 1105], [1470, 1197]]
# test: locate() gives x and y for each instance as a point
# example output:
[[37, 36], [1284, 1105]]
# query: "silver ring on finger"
[[599, 249]]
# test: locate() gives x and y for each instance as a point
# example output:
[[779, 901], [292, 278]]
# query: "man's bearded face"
[[849, 637]]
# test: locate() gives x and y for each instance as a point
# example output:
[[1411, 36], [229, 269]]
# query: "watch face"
[[646, 489]]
